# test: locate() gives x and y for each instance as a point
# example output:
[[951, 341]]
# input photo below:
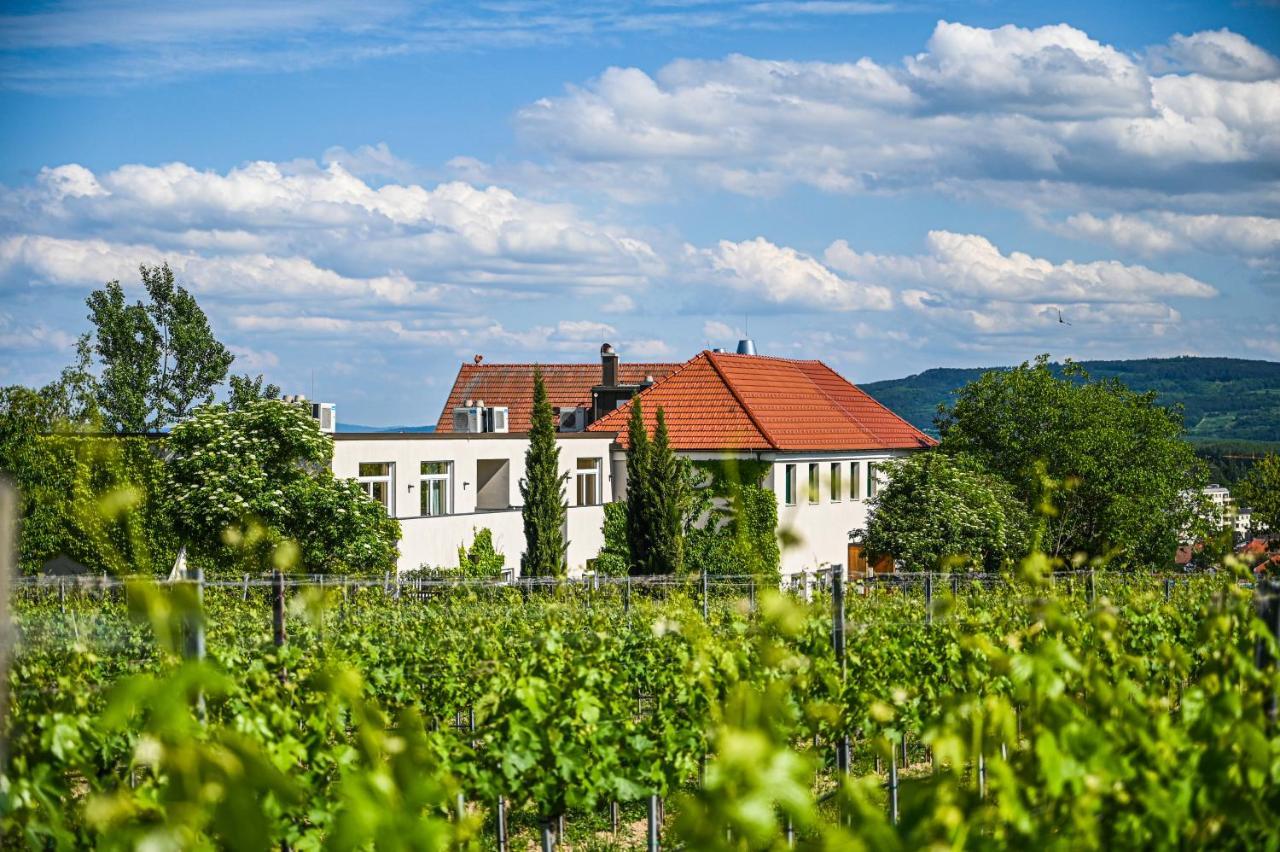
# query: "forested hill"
[[1223, 399]]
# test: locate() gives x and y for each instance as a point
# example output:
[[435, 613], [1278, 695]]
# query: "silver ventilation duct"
[[746, 346]]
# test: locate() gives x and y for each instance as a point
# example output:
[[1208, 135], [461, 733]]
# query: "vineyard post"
[[502, 824], [62, 596], [1267, 600], [955, 585], [1093, 589], [928, 598], [244, 595], [277, 612], [893, 783], [1168, 588], [626, 597], [8, 563], [704, 593], [548, 834], [195, 627], [982, 776], [653, 823], [838, 643], [613, 817]]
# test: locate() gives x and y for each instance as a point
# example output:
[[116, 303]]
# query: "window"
[[435, 484], [873, 484], [376, 478], [789, 478], [588, 482], [835, 482], [813, 483], [855, 480]]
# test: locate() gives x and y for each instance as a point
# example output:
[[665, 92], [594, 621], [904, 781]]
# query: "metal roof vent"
[[746, 346]]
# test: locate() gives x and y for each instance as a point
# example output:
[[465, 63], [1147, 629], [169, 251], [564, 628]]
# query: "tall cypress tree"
[[670, 499], [543, 490], [639, 490]]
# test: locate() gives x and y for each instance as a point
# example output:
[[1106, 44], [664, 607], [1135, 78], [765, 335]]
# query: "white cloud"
[[781, 276], [619, 304], [1045, 113], [32, 337], [1168, 233], [719, 333], [972, 266], [1215, 53]]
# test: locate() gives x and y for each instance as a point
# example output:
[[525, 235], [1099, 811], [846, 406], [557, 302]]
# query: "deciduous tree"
[[1260, 490], [1118, 461]]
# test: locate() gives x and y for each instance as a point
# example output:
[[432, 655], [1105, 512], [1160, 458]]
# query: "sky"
[[362, 196]]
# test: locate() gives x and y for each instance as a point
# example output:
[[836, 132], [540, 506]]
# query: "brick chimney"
[[608, 366]]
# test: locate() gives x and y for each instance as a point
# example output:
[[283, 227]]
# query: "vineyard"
[[1070, 710]]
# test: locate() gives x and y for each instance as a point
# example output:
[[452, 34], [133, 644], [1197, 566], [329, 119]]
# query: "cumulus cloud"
[[304, 227], [1215, 53], [978, 110], [782, 277], [965, 281], [1166, 233]]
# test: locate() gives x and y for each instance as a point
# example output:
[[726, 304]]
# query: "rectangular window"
[[376, 479], [835, 482], [813, 483], [588, 482], [855, 480], [873, 483], [789, 478], [436, 486]]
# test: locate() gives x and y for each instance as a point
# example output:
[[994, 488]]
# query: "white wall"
[[434, 540]]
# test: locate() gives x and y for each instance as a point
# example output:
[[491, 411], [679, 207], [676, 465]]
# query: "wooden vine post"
[[277, 614]]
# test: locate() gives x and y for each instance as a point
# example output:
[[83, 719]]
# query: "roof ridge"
[[737, 396], [874, 401], [497, 365]]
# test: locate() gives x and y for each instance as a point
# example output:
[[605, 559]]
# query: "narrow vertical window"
[[435, 485], [789, 479], [813, 482], [588, 476], [376, 479], [873, 480], [836, 491], [855, 480]]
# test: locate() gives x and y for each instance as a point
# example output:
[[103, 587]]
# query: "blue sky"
[[364, 195]]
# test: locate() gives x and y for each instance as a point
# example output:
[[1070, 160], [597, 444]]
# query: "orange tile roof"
[[568, 386], [723, 401]]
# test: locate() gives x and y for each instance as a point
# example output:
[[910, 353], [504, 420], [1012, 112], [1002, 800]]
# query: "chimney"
[[746, 346], [608, 366]]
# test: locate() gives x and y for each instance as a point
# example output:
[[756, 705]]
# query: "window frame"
[[424, 483], [789, 484], [855, 481], [388, 479], [815, 483], [596, 470], [836, 485]]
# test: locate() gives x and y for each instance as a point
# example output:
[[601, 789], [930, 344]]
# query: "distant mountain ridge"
[[356, 427], [1223, 399]]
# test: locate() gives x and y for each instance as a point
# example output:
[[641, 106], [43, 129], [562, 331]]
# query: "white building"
[[820, 436]]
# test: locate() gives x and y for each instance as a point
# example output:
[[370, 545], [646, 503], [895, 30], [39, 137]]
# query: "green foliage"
[[246, 389], [614, 559], [1120, 459], [159, 359], [1219, 399], [543, 489], [945, 513], [639, 497], [1260, 490], [241, 482], [732, 524], [481, 560], [669, 490]]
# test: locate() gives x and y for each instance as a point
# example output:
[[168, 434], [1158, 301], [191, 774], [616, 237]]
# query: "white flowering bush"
[[267, 465]]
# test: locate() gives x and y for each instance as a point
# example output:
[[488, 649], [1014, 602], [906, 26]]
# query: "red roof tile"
[[720, 401], [568, 386]]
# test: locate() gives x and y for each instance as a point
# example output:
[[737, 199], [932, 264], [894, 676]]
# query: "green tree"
[[543, 489], [158, 359], [246, 481], [639, 496], [614, 559], [246, 389], [1120, 458], [942, 512], [1260, 490], [671, 499], [481, 560]]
